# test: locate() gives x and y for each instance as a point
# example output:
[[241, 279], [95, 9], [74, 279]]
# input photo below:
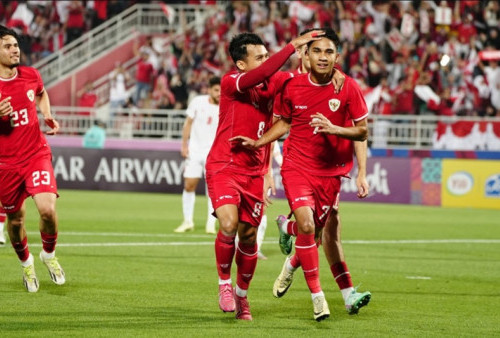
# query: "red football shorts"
[[246, 192], [19, 182], [320, 193]]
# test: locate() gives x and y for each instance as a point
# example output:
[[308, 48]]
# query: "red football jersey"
[[247, 113], [20, 134], [320, 154]]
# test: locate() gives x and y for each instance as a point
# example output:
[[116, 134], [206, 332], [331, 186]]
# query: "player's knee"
[[47, 213], [307, 227], [16, 223], [228, 225]]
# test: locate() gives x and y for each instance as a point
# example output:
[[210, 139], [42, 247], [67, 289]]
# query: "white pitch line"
[[471, 241], [418, 277], [127, 244], [123, 234], [273, 239], [423, 241]]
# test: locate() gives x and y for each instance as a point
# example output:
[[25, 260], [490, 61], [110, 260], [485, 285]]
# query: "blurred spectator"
[[98, 11], [117, 89], [161, 89], [178, 87], [149, 49], [87, 97], [143, 76], [95, 137], [75, 24]]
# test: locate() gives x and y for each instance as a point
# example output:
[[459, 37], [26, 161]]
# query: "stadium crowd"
[[410, 57]]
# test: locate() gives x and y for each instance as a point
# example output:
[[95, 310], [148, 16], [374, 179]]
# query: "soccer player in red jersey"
[[235, 175], [318, 150], [26, 159], [330, 236]]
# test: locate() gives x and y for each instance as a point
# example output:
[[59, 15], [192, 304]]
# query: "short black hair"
[[238, 45], [329, 34], [309, 30], [7, 31], [214, 80]]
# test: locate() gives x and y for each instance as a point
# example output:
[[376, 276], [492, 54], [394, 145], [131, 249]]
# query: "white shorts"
[[195, 166]]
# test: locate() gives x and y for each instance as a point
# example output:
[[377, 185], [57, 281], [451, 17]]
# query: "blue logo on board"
[[492, 186]]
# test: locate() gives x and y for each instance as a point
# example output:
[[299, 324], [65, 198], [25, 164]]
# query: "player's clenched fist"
[[5, 106]]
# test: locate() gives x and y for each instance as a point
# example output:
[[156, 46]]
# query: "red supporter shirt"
[[246, 109], [20, 134], [320, 154], [144, 72]]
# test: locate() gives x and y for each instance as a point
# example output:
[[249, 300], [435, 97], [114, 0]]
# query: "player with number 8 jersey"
[[26, 160], [235, 175]]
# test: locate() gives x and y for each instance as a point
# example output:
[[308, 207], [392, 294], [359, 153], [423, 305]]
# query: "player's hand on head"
[[52, 124], [244, 141], [305, 38], [5, 106]]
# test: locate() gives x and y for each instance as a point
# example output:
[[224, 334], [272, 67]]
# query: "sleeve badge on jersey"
[[334, 104], [31, 95]]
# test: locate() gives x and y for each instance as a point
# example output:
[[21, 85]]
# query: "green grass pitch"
[[431, 271]]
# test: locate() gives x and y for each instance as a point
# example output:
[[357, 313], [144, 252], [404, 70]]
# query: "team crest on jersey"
[[31, 95], [334, 104]]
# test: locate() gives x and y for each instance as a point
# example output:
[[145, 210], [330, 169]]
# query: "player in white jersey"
[[3, 216], [197, 137], [261, 232]]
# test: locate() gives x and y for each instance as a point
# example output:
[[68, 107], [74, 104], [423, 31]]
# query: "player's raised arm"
[[270, 65]]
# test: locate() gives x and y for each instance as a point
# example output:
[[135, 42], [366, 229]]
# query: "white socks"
[[28, 262], [225, 281], [261, 232], [47, 255], [346, 292], [318, 294], [188, 199], [241, 292]]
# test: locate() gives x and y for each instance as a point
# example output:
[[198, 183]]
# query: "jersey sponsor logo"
[[300, 107], [8, 207], [303, 198], [334, 104], [492, 186], [224, 197], [31, 95]]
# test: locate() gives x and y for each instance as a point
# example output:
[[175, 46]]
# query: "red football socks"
[[307, 252], [224, 253], [48, 242], [341, 275], [21, 249], [246, 260], [292, 228]]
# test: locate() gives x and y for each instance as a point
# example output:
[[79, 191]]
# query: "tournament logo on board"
[[334, 104], [31, 95]]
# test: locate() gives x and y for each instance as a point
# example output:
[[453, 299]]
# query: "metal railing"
[[395, 131], [125, 123], [140, 18]]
